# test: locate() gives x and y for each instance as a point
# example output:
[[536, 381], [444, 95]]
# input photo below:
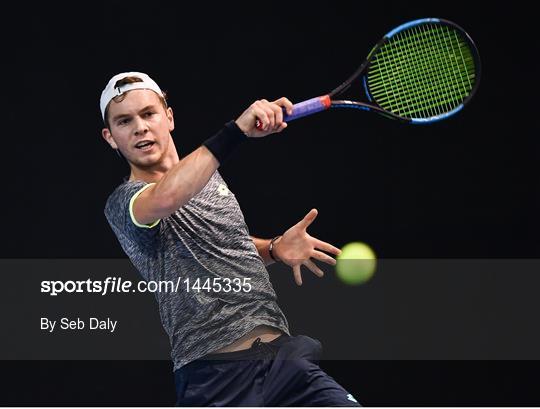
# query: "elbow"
[[168, 202]]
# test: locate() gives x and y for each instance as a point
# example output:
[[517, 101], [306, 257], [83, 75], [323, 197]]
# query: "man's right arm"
[[183, 181], [189, 176]]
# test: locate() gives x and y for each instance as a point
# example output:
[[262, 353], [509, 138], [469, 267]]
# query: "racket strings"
[[422, 72], [429, 77], [452, 87], [429, 81], [413, 78], [420, 60], [431, 72]]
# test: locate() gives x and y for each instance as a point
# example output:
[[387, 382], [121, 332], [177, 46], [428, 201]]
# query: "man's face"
[[140, 127]]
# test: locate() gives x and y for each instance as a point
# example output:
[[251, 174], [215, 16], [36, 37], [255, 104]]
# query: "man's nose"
[[140, 126]]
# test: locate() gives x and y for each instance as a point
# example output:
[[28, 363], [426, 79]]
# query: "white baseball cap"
[[111, 92]]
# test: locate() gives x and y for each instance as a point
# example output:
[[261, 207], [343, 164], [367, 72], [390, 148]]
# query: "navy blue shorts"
[[283, 372]]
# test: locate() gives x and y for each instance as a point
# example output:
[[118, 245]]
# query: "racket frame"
[[320, 103]]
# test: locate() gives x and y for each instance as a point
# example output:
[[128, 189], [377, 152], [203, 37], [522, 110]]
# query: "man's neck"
[[155, 173], [148, 176]]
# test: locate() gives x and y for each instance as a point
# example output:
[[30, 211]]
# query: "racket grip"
[[304, 108]]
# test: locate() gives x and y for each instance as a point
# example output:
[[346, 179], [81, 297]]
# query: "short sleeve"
[[132, 216], [119, 214]]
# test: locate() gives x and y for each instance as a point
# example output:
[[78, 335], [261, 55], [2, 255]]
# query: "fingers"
[[321, 245], [270, 110], [308, 219], [313, 267], [285, 103], [278, 114], [265, 112], [309, 264], [324, 257], [270, 114], [297, 274], [262, 111]]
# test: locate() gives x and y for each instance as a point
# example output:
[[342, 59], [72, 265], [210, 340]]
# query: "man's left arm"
[[263, 247], [297, 248]]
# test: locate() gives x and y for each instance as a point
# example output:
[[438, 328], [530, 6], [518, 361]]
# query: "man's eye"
[[123, 121], [148, 114]]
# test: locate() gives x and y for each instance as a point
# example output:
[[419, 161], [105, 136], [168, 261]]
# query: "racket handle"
[[304, 108]]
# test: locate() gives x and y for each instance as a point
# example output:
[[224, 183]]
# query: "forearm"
[[187, 178], [191, 174], [267, 249], [262, 246]]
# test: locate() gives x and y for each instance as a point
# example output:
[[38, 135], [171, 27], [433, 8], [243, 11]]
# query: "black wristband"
[[223, 143], [271, 248]]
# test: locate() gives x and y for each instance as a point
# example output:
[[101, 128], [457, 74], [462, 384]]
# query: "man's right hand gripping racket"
[[421, 72]]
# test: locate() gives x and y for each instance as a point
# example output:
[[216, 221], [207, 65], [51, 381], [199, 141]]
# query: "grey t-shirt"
[[205, 239]]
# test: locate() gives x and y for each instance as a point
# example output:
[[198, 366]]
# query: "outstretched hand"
[[296, 248]]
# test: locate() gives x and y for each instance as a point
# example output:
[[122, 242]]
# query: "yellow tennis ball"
[[356, 263]]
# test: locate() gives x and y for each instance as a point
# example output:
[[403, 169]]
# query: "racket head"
[[423, 71]]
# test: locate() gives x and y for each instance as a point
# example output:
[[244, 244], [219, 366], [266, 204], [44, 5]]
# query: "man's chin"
[[145, 163]]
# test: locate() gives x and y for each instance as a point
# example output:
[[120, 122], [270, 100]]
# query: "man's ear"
[[106, 133], [170, 117]]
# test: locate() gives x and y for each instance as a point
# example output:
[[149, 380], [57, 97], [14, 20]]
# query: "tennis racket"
[[421, 72]]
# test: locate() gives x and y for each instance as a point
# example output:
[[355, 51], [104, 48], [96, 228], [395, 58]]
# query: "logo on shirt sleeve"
[[223, 190]]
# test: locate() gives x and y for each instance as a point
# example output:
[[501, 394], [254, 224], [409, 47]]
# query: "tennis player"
[[176, 218]]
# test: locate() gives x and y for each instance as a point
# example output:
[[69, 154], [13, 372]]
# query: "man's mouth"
[[144, 145]]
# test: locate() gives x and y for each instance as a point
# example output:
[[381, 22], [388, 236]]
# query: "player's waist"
[[263, 332]]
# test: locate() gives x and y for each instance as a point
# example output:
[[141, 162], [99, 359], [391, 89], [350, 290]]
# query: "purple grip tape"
[[308, 107]]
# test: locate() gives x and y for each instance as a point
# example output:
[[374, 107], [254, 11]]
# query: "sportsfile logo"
[[111, 285], [117, 285]]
